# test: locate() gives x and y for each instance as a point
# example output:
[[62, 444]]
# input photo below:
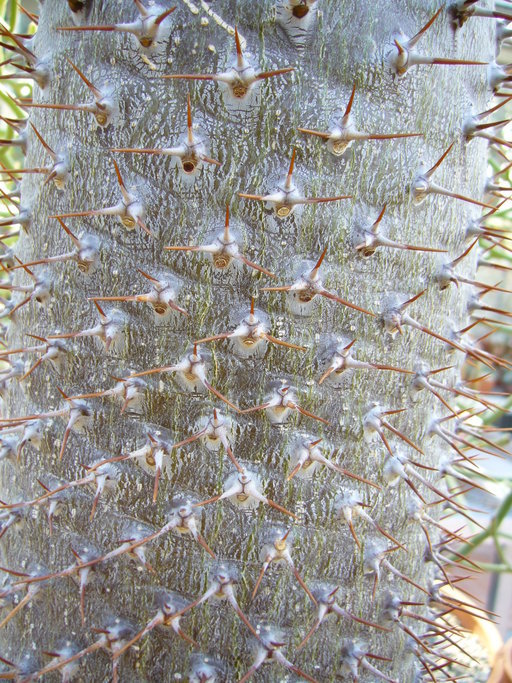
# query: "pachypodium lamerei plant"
[[234, 329]]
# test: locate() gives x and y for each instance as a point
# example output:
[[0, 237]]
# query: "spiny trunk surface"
[[346, 44]]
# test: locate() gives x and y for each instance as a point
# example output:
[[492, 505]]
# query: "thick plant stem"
[[179, 197]]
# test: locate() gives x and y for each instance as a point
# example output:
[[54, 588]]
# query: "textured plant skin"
[[254, 145]]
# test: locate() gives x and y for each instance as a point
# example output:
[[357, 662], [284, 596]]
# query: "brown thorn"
[[62, 107], [214, 499], [82, 604], [209, 160], [385, 442], [414, 488], [24, 266], [146, 275], [319, 263], [188, 638], [15, 573], [440, 160], [163, 16], [92, 88], [255, 266], [404, 577], [239, 54], [147, 629], [86, 28], [29, 372], [19, 171], [74, 214], [113, 298], [260, 577], [190, 77], [425, 28], [270, 74], [248, 674], [353, 532], [310, 633], [193, 437], [119, 178], [294, 471], [202, 542], [256, 197], [334, 297], [280, 342], [324, 200], [144, 227], [402, 436], [303, 585], [380, 216], [16, 609], [190, 134], [445, 403], [457, 62], [379, 366], [226, 223], [493, 124], [302, 674], [317, 133], [305, 412], [43, 141], [135, 150], [350, 102], [388, 536], [68, 232], [288, 183], [393, 136], [33, 17], [357, 477], [284, 288], [368, 623], [16, 39], [22, 303], [232, 458], [375, 583], [326, 374], [100, 310], [219, 395], [463, 198], [276, 506], [163, 368], [400, 49]]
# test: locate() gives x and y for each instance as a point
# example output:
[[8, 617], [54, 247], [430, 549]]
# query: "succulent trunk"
[[251, 129]]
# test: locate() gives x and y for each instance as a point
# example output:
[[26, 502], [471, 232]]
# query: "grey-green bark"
[[347, 44]]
